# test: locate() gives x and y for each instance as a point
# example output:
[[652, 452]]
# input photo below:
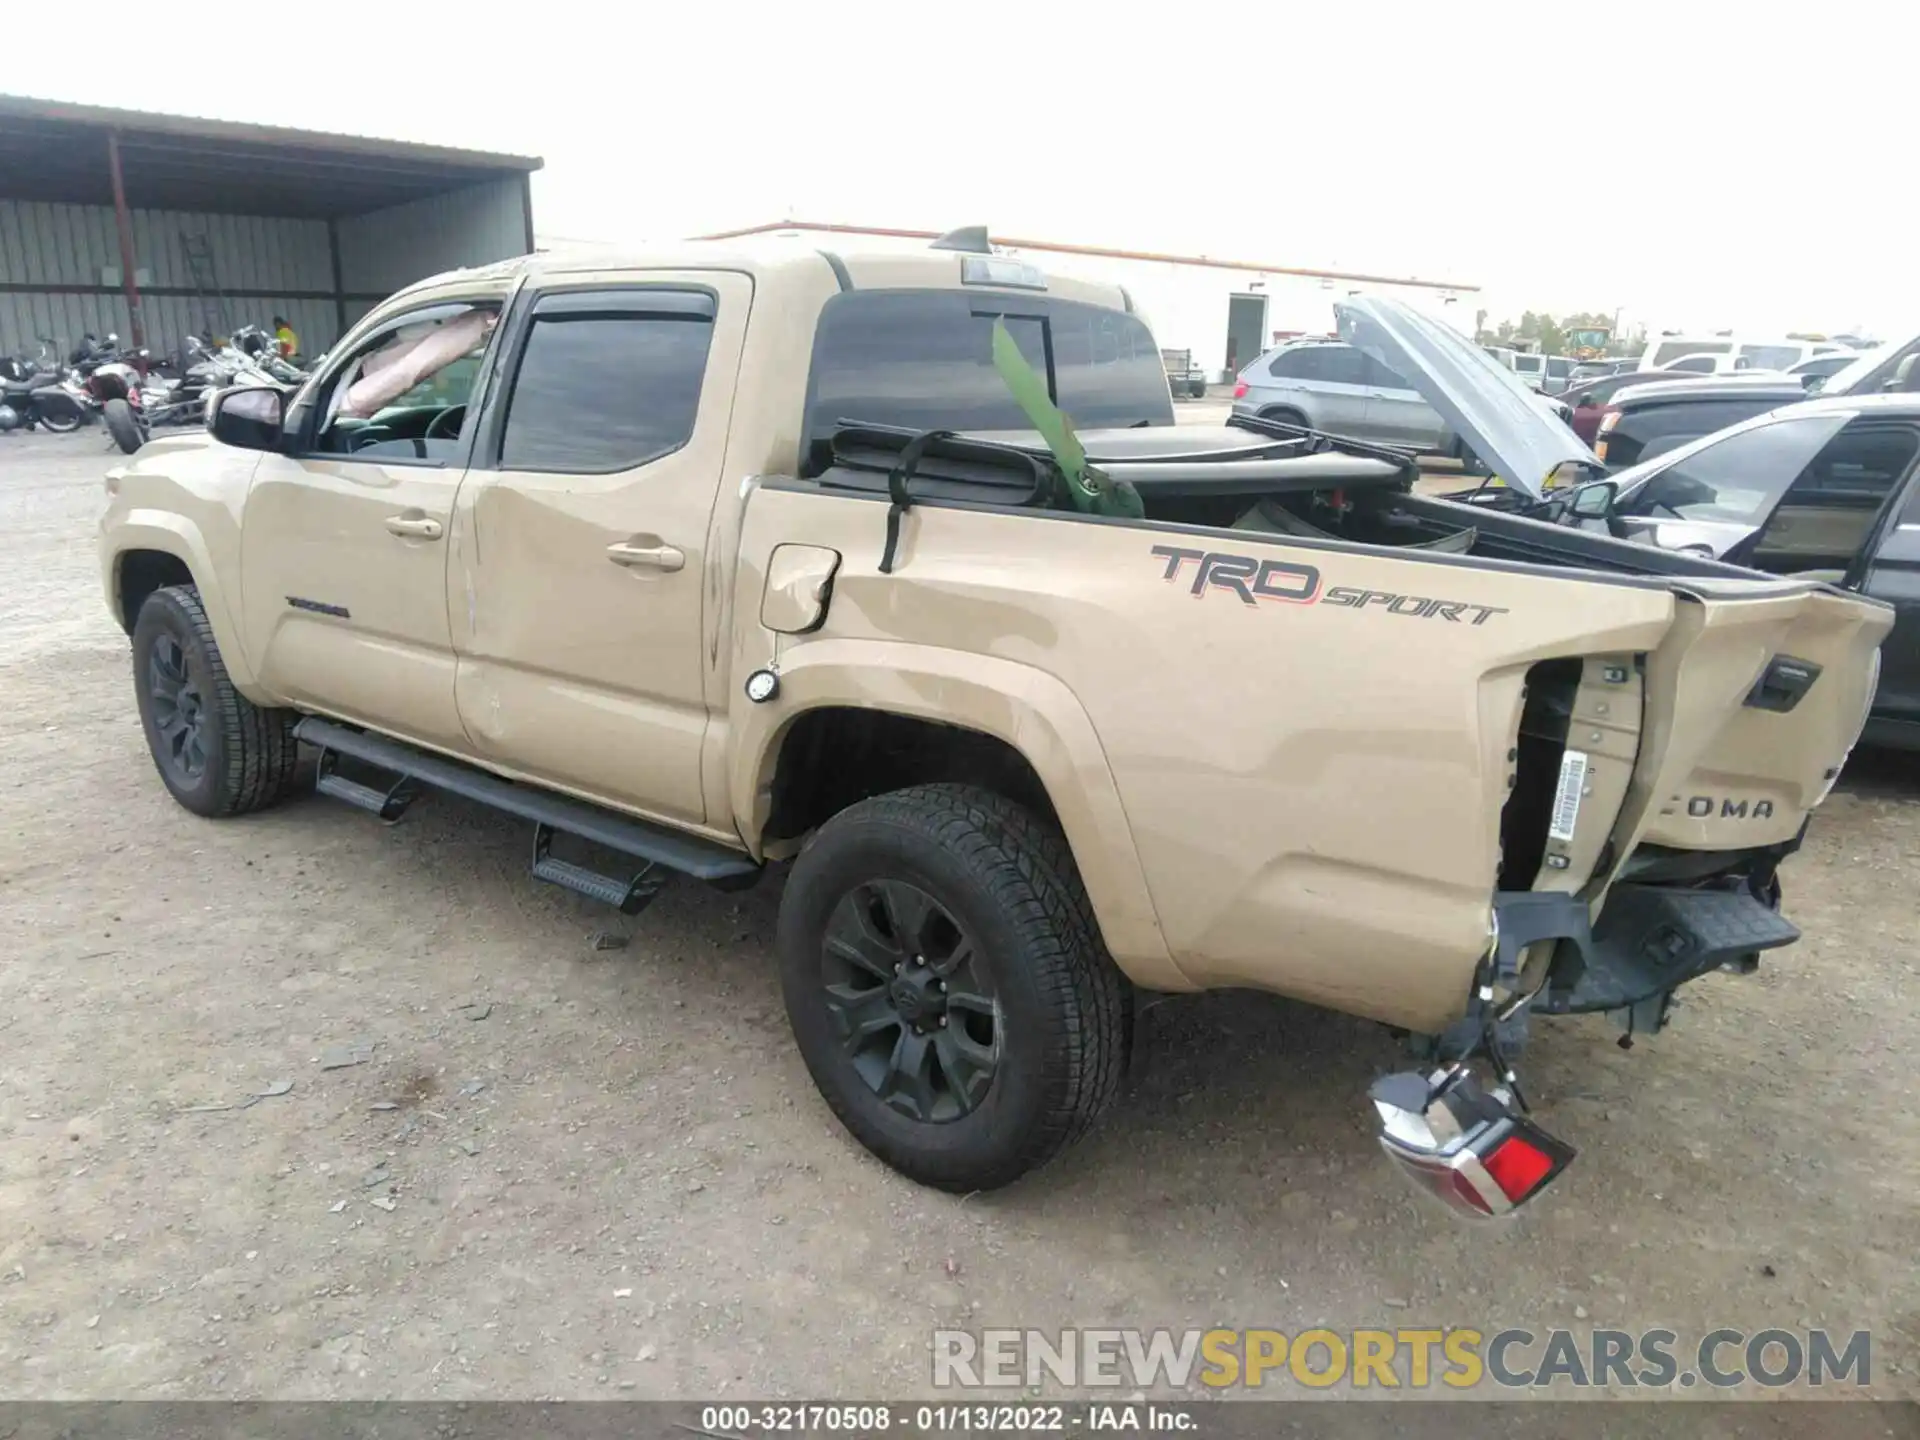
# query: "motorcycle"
[[133, 405], [34, 396]]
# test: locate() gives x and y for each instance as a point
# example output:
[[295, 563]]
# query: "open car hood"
[[1485, 403]]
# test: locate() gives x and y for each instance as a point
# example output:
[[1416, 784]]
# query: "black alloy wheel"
[[914, 1010], [179, 710]]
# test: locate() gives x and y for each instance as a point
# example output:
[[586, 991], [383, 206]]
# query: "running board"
[[660, 848]]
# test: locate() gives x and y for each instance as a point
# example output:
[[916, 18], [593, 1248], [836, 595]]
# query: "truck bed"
[[1349, 709]]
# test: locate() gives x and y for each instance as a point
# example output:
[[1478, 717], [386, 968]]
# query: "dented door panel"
[[577, 598]]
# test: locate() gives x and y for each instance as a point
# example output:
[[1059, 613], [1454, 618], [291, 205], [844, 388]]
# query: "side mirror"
[[248, 417], [1593, 501]]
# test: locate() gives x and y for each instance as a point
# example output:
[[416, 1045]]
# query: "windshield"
[[1734, 476], [1770, 357], [1861, 372]]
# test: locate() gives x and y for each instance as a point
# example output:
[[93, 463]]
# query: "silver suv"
[[1328, 386]]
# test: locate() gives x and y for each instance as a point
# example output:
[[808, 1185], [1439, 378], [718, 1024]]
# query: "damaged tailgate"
[[1752, 703]]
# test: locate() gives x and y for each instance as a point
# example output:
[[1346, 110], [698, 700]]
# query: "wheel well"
[[141, 573], [836, 756]]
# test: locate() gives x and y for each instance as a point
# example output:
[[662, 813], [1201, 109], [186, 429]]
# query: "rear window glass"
[[924, 359], [1690, 418], [1769, 357]]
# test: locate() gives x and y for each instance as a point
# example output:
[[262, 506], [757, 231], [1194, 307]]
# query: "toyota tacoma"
[[894, 566]]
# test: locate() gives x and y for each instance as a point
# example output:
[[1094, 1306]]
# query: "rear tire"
[[123, 425], [60, 424], [904, 900], [1285, 416], [217, 752], [1470, 463]]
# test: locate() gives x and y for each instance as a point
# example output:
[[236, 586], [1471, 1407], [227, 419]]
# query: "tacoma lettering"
[[1700, 806]]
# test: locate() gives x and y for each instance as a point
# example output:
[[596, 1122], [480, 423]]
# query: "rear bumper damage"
[[1473, 1148]]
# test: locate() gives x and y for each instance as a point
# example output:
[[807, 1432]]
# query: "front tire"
[[948, 987], [216, 751], [123, 425]]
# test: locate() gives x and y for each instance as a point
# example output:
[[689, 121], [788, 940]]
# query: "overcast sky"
[[1702, 165]]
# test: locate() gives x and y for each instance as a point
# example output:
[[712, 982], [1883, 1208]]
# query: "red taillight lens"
[[133, 396], [1483, 1160], [1240, 390], [1518, 1168]]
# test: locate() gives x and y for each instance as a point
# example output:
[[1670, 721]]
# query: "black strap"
[[897, 479]]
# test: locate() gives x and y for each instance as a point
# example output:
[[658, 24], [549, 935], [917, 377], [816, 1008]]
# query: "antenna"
[[971, 238]]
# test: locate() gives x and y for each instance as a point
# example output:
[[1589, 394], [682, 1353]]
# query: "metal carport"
[[159, 226]]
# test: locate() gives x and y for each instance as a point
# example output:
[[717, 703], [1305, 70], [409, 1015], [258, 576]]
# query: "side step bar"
[[661, 849]]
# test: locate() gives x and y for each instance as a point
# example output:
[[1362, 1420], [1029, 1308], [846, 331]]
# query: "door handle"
[[647, 557], [414, 527]]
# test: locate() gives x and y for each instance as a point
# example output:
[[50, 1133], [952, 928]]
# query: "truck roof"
[[777, 262]]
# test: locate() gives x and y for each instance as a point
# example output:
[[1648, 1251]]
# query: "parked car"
[[1589, 399], [1813, 374], [1600, 369], [1531, 368], [1331, 386], [1038, 726], [1559, 375], [1183, 376], [1883, 369], [1642, 421], [1716, 365], [1829, 488]]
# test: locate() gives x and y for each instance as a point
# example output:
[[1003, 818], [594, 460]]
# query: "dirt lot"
[[567, 1171]]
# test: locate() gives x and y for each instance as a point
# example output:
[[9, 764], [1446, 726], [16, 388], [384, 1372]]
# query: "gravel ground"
[[557, 1170]]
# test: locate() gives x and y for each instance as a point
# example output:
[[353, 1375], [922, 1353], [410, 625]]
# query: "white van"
[[1757, 353]]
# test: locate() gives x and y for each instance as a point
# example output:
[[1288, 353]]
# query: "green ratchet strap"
[[1089, 491]]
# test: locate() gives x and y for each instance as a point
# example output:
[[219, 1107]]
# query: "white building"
[[1224, 311]]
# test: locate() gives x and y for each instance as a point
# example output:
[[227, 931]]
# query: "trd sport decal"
[[1253, 580]]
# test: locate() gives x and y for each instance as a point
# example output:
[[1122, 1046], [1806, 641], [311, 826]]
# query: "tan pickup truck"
[[701, 560]]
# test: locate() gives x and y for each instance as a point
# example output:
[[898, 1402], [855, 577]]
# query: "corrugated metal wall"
[[51, 258], [381, 252]]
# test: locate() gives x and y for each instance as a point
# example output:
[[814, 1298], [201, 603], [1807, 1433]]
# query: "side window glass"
[[1856, 471], [1736, 479], [601, 390], [405, 393], [1911, 515], [1345, 365], [1301, 364]]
